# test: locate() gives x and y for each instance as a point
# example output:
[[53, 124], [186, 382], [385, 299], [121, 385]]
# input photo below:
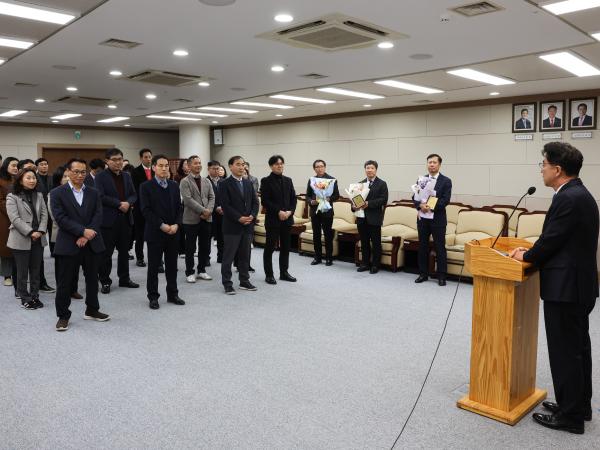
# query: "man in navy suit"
[[566, 256], [160, 202], [239, 202], [435, 226], [118, 195], [523, 123], [77, 210], [552, 121], [582, 120]]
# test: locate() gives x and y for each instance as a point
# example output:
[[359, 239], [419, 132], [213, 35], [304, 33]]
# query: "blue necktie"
[[241, 186], [163, 184]]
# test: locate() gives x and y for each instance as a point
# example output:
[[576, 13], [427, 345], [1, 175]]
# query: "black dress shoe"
[[176, 300], [128, 284], [251, 269], [374, 270], [161, 269], [140, 263], [270, 280], [559, 422], [287, 277], [315, 261], [247, 286], [46, 288], [105, 289], [421, 278], [363, 269], [554, 408], [229, 290], [154, 304], [329, 262], [130, 257], [442, 282], [77, 296]]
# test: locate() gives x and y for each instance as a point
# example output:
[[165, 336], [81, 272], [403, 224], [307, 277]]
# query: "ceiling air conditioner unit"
[[167, 78]]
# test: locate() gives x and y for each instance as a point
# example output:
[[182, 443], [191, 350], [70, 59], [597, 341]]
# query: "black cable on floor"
[[432, 361]]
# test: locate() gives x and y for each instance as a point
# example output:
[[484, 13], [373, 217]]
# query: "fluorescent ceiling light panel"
[[571, 63], [262, 105], [596, 36], [283, 18], [301, 99], [480, 76], [65, 116], [198, 114], [113, 119], [233, 110], [13, 113], [15, 43], [568, 6], [408, 86], [39, 14], [2, 61], [173, 118], [338, 91]]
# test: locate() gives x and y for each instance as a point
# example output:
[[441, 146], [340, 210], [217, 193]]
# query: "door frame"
[[41, 147]]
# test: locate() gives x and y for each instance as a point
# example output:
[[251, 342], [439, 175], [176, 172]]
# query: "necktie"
[[552, 123], [241, 187], [163, 184], [370, 183], [581, 121]]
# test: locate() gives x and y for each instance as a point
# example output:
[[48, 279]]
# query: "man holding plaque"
[[431, 220]]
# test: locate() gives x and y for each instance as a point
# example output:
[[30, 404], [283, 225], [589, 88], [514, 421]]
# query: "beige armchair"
[[512, 223], [300, 218], [530, 225], [452, 210], [344, 221]]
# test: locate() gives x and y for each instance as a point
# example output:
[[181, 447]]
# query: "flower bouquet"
[[358, 193], [323, 189], [424, 191]]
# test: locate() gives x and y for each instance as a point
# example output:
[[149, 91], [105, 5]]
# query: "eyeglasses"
[[116, 159], [79, 173]]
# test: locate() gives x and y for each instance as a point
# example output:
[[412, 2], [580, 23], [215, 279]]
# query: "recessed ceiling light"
[[154, 116], [56, 121], [126, 125], [262, 105], [302, 99], [277, 68], [494, 93], [115, 73], [385, 45], [204, 84], [13, 113], [151, 96], [233, 110], [283, 18], [568, 6], [65, 116], [113, 119], [338, 91], [596, 36], [408, 86], [27, 12], [367, 106], [72, 89], [2, 61], [15, 43], [112, 106], [180, 52], [480, 76], [278, 115], [39, 100], [189, 113], [571, 63], [214, 121]]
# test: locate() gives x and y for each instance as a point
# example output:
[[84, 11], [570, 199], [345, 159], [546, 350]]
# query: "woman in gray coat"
[[27, 235]]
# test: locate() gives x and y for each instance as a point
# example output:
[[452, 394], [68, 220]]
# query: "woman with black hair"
[[28, 216], [8, 173]]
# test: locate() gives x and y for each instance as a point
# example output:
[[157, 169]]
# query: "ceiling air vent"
[[120, 43], [422, 101], [87, 101], [19, 84], [167, 78], [183, 100], [476, 9], [333, 32], [313, 76]]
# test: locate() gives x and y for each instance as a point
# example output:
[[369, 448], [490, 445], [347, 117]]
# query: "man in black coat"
[[139, 175], [77, 210], [44, 186], [369, 226], [279, 199], [160, 203], [239, 202], [322, 220], [436, 226], [566, 256], [217, 216]]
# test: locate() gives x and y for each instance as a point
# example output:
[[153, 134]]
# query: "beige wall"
[[21, 142], [480, 154]]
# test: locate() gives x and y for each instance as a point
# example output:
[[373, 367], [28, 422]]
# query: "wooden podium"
[[506, 298]]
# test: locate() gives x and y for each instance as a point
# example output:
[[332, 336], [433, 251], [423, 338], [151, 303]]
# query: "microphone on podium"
[[530, 191]]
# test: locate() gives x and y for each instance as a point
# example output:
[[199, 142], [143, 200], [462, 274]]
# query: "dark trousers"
[[138, 234], [370, 243], [426, 228], [281, 233], [28, 268], [217, 233], [570, 354], [116, 237], [236, 246], [67, 270], [198, 233], [167, 246], [320, 222]]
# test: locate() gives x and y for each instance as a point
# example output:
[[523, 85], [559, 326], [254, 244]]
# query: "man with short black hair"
[[26, 164], [217, 216], [583, 119], [44, 186], [141, 174], [96, 166]]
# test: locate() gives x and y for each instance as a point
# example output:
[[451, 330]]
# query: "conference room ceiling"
[[225, 51]]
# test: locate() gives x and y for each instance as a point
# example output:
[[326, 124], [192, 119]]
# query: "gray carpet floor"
[[334, 361]]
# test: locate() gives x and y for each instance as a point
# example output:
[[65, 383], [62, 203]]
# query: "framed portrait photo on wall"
[[583, 114], [552, 115], [524, 118]]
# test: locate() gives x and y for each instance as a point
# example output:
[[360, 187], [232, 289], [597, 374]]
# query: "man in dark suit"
[[582, 120], [322, 220], [44, 186], [552, 121], [141, 174], [523, 123], [96, 166], [566, 256], [77, 210], [369, 226], [279, 199], [436, 226], [240, 207], [118, 194], [160, 202], [217, 216]]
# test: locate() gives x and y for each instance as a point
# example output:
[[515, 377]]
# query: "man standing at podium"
[[566, 256]]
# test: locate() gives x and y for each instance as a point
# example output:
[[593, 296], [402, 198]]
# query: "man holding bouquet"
[[322, 191]]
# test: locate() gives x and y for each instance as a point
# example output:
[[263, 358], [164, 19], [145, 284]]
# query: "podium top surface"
[[482, 260]]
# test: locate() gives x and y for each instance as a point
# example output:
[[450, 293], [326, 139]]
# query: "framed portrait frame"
[[591, 105], [521, 122], [556, 123]]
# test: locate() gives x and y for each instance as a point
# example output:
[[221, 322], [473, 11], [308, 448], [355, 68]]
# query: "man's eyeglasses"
[[79, 172], [116, 159]]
